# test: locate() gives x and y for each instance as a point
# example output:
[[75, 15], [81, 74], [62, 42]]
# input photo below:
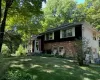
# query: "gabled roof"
[[68, 25], [61, 27]]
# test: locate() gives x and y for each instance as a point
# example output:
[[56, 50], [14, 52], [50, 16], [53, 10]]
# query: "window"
[[94, 36], [67, 33], [55, 50], [61, 50], [64, 33], [49, 36]]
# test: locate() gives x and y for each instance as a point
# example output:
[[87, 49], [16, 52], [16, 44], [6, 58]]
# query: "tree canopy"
[[67, 11], [18, 13], [27, 17]]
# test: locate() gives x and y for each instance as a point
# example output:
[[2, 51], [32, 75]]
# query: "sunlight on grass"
[[56, 66], [88, 74], [48, 70], [90, 70], [15, 62], [84, 68], [67, 66], [44, 57], [70, 60], [19, 66], [35, 77], [70, 73], [34, 66], [25, 59], [86, 79], [64, 62]]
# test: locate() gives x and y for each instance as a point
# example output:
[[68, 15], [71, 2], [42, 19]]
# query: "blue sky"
[[78, 1]]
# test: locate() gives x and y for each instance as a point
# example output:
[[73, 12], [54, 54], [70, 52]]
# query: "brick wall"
[[68, 47]]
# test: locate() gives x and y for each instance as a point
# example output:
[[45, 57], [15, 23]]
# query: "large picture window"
[[63, 33], [67, 33]]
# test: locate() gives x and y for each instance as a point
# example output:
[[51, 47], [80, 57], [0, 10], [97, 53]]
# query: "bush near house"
[[81, 47], [21, 51], [5, 50]]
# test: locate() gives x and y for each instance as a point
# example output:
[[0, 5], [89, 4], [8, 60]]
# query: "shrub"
[[21, 51], [18, 75], [5, 50], [81, 49]]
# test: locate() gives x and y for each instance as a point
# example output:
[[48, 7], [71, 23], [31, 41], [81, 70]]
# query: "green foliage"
[[21, 51], [58, 12], [79, 52], [81, 47], [67, 11], [48, 68], [19, 75], [12, 39], [5, 50]]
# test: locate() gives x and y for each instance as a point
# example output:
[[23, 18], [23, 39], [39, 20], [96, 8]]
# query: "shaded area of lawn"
[[4, 65], [49, 68]]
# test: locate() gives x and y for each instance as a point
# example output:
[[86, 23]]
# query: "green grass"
[[48, 68]]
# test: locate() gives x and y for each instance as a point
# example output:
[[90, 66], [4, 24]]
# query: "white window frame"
[[49, 36], [59, 50], [73, 33], [53, 49]]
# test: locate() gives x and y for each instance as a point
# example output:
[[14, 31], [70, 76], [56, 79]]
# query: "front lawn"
[[48, 68]]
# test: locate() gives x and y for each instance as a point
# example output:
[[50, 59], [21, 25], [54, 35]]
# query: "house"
[[60, 40]]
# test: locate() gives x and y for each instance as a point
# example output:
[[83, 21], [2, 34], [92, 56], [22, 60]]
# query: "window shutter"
[[60, 33], [73, 31], [53, 35]]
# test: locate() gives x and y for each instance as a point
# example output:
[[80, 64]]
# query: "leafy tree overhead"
[[22, 9], [61, 11], [12, 39], [68, 11]]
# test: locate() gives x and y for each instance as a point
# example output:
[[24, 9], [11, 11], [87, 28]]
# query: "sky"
[[78, 1]]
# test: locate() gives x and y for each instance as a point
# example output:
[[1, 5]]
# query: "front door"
[[37, 46]]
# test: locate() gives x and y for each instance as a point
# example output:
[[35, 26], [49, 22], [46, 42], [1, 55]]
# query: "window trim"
[[73, 32], [56, 49], [49, 36], [59, 49]]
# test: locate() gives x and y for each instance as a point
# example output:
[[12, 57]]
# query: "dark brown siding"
[[78, 35], [57, 35], [78, 32]]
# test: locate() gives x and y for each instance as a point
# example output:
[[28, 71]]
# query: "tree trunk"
[[0, 11], [2, 28]]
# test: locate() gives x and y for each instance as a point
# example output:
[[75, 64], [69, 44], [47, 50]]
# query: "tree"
[[12, 39], [62, 11], [0, 11], [25, 8], [2, 27]]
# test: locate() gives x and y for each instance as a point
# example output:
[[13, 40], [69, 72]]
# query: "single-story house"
[[60, 40]]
